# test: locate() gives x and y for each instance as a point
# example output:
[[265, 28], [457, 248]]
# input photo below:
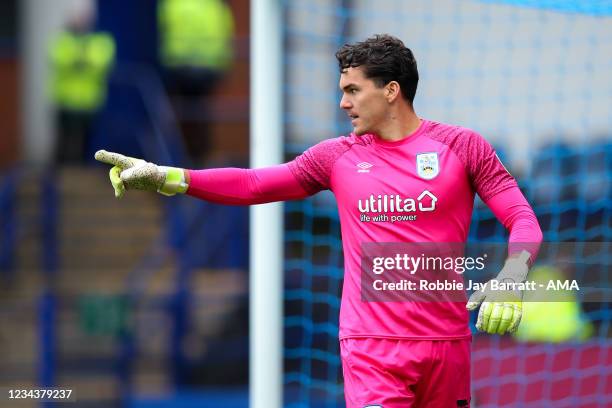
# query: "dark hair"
[[384, 58]]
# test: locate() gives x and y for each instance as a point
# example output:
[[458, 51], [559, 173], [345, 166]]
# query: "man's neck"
[[400, 125]]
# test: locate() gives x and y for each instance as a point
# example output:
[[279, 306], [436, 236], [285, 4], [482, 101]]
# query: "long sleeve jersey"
[[423, 186]]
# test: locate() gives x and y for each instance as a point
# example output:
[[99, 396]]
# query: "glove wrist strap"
[[174, 183]]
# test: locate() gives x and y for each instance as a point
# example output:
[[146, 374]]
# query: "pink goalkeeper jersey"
[[440, 167]]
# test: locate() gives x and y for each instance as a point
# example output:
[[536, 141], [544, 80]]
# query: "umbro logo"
[[364, 167]]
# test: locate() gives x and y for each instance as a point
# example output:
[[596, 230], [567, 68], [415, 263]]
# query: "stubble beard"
[[360, 131]]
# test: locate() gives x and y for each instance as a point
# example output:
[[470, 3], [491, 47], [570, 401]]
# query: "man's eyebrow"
[[346, 87]]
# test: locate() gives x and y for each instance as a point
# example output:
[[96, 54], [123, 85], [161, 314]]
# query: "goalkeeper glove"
[[501, 310], [129, 173]]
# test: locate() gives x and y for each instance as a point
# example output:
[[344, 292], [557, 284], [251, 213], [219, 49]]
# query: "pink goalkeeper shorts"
[[389, 373]]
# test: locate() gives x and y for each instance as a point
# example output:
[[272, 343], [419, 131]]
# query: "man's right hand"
[[129, 173]]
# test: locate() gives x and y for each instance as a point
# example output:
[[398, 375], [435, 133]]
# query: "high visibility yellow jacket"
[[552, 316], [80, 64], [196, 33]]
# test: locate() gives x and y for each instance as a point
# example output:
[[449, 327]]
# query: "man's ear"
[[392, 91]]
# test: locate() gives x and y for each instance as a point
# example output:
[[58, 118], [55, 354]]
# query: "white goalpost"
[[266, 221]]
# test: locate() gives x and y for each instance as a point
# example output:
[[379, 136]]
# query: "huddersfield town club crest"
[[427, 164]]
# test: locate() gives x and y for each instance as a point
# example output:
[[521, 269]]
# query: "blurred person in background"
[[81, 60], [196, 49], [557, 316]]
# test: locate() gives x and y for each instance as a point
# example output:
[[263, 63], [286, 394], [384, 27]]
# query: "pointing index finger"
[[115, 159]]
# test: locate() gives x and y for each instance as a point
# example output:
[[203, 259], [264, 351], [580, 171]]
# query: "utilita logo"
[[384, 203]]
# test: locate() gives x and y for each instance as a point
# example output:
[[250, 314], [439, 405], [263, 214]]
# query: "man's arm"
[[514, 212], [225, 186], [501, 313], [245, 186], [305, 175]]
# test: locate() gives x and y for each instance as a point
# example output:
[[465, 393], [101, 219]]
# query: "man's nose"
[[345, 103]]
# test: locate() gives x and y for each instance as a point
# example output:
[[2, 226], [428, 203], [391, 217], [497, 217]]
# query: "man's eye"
[[353, 91]]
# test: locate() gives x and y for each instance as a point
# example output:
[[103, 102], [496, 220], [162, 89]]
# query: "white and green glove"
[[500, 311], [129, 173]]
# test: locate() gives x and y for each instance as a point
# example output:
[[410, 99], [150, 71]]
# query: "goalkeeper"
[[394, 354]]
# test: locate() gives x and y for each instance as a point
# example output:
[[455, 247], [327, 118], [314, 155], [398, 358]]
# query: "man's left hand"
[[501, 310]]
